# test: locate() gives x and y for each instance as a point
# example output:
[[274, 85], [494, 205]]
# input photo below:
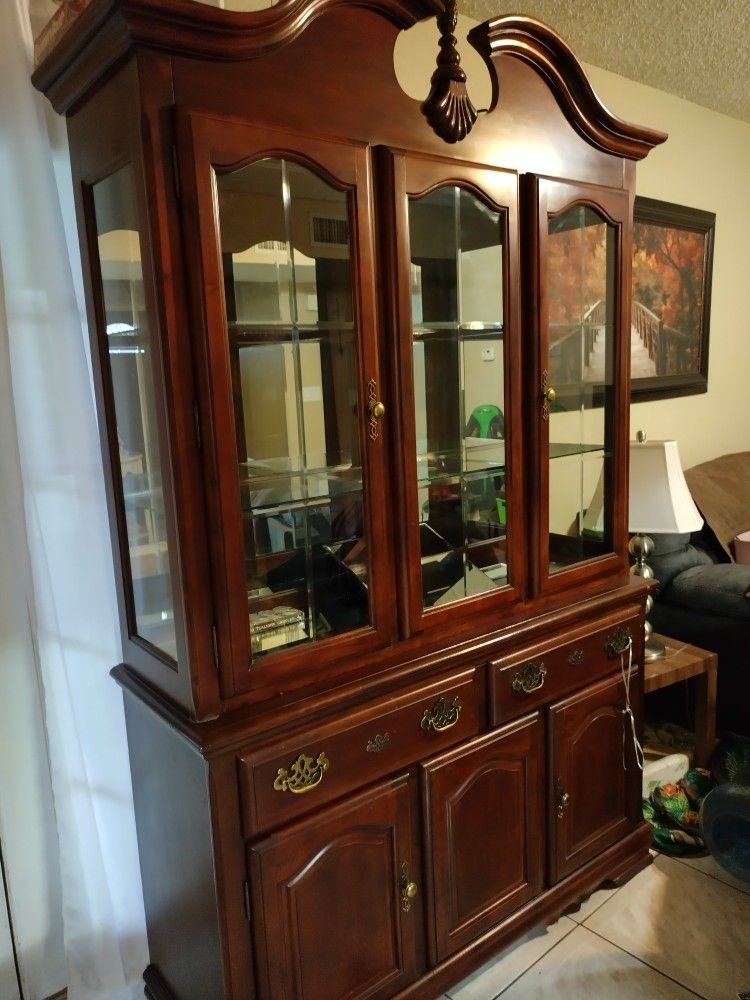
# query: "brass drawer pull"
[[442, 715], [529, 678], [304, 774], [378, 743], [617, 641], [409, 889]]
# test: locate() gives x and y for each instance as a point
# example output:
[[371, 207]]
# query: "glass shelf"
[[566, 450], [269, 332], [266, 490], [466, 331]]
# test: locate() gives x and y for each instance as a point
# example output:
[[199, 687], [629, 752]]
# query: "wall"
[[704, 164]]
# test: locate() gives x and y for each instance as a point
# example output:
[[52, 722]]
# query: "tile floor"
[[678, 929]]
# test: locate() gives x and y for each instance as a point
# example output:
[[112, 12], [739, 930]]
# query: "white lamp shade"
[[660, 501]]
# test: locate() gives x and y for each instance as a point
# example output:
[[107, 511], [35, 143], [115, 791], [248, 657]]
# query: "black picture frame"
[[673, 249]]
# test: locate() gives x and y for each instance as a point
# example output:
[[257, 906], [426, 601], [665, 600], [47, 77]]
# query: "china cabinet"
[[364, 406]]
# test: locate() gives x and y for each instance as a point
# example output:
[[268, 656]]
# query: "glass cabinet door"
[[139, 471], [580, 238], [454, 322], [292, 330]]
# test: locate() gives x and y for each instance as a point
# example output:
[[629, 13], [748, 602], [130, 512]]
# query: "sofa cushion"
[[721, 589], [721, 489], [673, 554]]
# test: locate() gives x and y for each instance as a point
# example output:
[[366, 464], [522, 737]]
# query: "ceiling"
[[691, 48]]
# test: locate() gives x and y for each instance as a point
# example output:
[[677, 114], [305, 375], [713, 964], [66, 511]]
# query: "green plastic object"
[[486, 421]]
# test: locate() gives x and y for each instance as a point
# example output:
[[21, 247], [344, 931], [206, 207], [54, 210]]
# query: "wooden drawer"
[[532, 676], [314, 766]]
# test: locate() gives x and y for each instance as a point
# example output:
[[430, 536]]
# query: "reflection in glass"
[[457, 319], [580, 279], [288, 293], [130, 345]]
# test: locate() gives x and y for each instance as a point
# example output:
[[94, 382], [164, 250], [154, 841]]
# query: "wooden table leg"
[[705, 713]]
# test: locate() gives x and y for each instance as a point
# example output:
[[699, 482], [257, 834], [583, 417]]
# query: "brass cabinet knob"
[[548, 395], [375, 409], [409, 889], [562, 799]]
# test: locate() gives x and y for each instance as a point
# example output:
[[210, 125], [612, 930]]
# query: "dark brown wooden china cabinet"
[[364, 408]]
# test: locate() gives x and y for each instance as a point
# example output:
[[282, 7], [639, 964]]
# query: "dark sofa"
[[703, 596]]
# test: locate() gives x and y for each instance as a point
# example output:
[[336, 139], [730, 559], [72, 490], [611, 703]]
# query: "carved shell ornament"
[[448, 108]]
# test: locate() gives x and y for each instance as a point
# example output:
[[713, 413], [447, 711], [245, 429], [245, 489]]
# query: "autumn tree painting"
[[672, 256]]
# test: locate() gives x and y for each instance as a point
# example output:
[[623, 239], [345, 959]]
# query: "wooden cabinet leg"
[[705, 714]]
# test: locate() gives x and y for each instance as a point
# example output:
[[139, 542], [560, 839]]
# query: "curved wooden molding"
[[108, 29], [542, 48]]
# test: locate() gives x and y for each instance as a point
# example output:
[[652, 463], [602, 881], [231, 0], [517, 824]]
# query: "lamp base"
[[654, 649]]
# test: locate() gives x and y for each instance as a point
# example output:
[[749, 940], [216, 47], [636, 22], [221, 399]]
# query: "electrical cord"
[[627, 712]]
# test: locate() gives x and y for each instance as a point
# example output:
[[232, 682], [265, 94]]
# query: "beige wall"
[[704, 164]]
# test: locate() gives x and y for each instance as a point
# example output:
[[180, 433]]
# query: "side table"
[[684, 662]]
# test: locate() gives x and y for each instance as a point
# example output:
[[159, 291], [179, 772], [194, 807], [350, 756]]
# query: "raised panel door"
[[337, 903], [484, 809], [594, 782]]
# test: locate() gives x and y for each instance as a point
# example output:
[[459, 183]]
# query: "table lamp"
[[660, 504]]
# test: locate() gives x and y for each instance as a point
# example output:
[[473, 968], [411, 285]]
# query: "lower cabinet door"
[[594, 783], [484, 813], [336, 901]]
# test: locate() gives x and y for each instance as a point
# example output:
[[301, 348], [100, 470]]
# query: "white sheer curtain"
[[62, 513]]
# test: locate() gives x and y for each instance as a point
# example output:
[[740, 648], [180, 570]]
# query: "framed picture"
[[672, 261]]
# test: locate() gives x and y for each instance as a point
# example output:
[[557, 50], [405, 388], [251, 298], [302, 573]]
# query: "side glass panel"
[[581, 298], [457, 323], [285, 245], [131, 347]]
